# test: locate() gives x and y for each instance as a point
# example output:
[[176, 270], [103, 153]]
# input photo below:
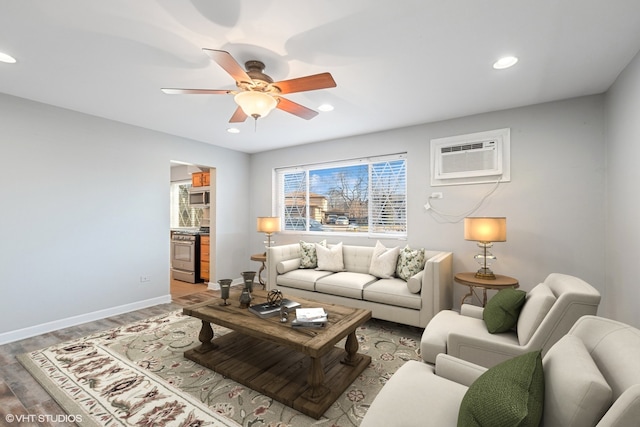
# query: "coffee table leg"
[[351, 346], [315, 379], [205, 337]]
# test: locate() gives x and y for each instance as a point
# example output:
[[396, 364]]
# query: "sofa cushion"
[[383, 261], [345, 284], [288, 265], [508, 394], [576, 393], [415, 396], [392, 292], [502, 311], [301, 278], [536, 306], [330, 259], [410, 262], [308, 256]]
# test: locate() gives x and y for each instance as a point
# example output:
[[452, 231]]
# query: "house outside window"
[[365, 195]]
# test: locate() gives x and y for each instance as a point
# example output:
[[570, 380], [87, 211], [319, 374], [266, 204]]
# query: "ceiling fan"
[[258, 94]]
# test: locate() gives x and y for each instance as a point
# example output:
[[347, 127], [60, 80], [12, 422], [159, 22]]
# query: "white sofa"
[[591, 378], [390, 299]]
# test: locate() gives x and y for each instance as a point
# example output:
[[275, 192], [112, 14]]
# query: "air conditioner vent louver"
[[461, 147]]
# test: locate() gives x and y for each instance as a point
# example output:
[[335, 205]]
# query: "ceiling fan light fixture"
[[255, 104]]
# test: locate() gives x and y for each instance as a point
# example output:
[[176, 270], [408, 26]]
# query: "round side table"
[[470, 280], [260, 258]]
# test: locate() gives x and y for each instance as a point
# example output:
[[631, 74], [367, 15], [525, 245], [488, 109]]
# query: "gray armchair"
[[550, 310], [591, 378]]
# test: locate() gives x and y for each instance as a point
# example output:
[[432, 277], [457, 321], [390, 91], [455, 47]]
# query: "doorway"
[[192, 217]]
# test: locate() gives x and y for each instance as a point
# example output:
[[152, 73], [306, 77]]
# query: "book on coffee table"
[[265, 309], [310, 318]]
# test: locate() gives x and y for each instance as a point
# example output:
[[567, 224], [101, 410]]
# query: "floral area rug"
[[136, 375]]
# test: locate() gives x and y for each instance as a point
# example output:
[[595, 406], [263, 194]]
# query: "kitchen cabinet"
[[201, 179], [204, 257]]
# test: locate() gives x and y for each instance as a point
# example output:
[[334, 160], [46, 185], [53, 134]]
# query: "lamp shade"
[[485, 229], [268, 224], [255, 104]]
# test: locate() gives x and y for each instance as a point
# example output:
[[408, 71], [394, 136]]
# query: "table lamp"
[[485, 231], [268, 225]]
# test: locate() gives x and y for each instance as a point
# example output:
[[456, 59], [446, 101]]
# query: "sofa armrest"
[[437, 285], [486, 350], [278, 254], [457, 370], [470, 310]]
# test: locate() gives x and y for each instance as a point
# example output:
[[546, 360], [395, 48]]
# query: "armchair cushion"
[[536, 306], [576, 394], [508, 394], [502, 311]]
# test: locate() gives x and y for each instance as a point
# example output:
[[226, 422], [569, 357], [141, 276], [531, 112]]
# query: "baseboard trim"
[[32, 331]]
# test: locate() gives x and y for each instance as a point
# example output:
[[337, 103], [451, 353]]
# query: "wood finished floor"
[[20, 394]]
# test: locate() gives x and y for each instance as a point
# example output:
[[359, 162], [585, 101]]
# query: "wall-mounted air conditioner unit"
[[470, 159]]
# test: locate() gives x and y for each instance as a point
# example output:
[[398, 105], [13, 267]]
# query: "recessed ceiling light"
[[7, 58], [233, 130], [325, 107], [506, 62]]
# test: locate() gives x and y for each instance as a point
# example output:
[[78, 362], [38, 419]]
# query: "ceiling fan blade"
[[172, 91], [296, 109], [302, 84], [238, 117], [230, 65]]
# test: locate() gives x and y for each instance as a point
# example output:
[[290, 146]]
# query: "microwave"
[[199, 198]]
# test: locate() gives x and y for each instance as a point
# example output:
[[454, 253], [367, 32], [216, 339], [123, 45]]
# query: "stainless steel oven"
[[185, 258]]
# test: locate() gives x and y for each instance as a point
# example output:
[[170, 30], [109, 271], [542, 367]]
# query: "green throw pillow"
[[511, 394], [502, 311]]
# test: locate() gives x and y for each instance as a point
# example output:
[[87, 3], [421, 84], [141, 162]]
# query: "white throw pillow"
[[383, 261], [330, 259]]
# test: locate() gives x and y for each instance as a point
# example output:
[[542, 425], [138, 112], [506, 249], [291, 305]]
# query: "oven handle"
[[191, 273], [185, 242]]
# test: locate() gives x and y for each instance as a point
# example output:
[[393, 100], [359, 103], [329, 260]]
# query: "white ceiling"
[[396, 63]]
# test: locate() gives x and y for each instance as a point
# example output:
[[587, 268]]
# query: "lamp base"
[[486, 274]]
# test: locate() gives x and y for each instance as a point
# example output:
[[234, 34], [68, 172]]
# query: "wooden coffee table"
[[301, 368]]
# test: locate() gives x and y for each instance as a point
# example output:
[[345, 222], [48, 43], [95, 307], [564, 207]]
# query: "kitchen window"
[[182, 215], [366, 195]]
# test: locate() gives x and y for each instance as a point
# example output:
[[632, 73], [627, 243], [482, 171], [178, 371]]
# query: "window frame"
[[279, 203]]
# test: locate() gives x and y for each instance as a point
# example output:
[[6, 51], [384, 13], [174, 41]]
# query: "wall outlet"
[[144, 279], [437, 195]]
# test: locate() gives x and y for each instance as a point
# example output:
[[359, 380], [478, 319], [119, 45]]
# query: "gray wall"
[[85, 213], [554, 203], [623, 204]]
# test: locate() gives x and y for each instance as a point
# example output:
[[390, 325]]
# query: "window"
[[183, 215], [360, 196]]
